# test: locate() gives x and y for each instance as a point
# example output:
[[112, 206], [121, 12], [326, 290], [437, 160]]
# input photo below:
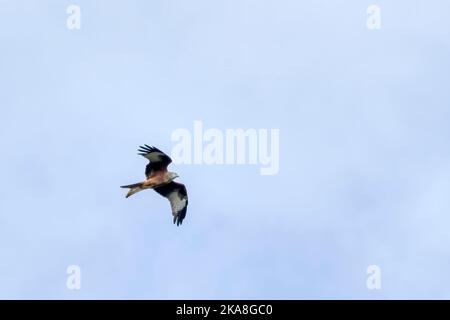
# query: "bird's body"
[[162, 181]]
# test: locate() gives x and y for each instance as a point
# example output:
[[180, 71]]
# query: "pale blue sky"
[[364, 155]]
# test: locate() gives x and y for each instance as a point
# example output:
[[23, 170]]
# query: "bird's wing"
[[177, 195], [158, 159]]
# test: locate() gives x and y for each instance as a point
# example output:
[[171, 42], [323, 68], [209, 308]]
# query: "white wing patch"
[[176, 203], [154, 156]]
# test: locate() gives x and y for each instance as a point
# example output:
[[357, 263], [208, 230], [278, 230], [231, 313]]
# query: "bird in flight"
[[162, 181]]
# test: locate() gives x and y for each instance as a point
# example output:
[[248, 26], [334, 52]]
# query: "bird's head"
[[173, 176]]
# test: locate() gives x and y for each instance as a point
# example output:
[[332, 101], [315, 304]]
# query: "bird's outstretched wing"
[[158, 159], [177, 195]]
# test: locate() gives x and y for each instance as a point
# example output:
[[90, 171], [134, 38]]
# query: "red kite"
[[162, 181]]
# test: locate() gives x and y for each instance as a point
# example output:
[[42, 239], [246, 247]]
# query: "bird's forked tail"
[[134, 188]]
